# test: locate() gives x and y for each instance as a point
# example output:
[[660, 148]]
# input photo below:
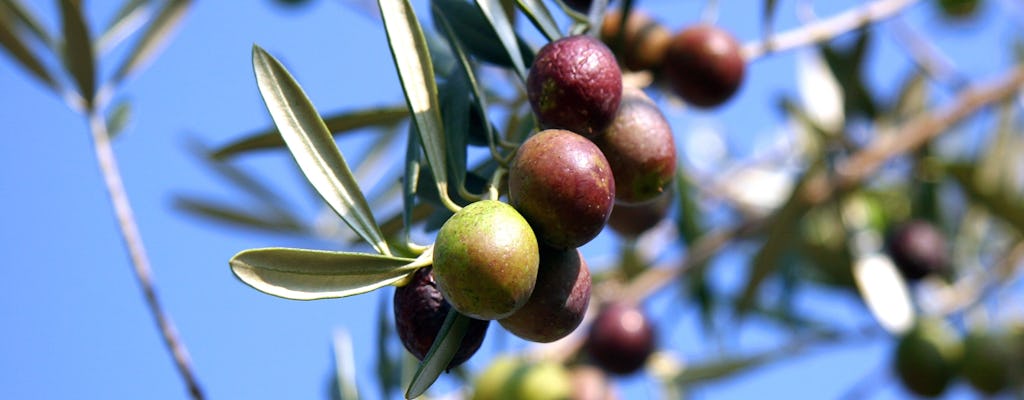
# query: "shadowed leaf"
[[78, 52], [502, 25], [538, 13], [440, 354], [11, 42], [313, 147], [231, 215]]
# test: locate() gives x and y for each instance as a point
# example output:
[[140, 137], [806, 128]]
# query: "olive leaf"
[[502, 25], [153, 40], [10, 41], [129, 18], [476, 33], [539, 15], [337, 124], [440, 354], [301, 274], [25, 18], [78, 52], [412, 60], [313, 147]]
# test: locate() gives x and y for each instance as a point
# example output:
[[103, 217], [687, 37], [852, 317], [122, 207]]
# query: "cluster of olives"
[[931, 356], [601, 146], [702, 64]]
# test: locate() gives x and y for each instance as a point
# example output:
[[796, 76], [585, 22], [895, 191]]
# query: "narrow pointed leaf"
[[768, 18], [11, 42], [78, 52], [301, 274], [245, 181], [885, 293], [232, 215], [131, 17], [476, 33], [26, 18], [506, 32], [440, 354], [336, 124], [313, 147], [412, 60], [344, 366], [154, 39], [538, 13]]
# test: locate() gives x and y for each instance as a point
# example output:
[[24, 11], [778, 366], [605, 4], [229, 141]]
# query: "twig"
[[826, 29], [137, 252]]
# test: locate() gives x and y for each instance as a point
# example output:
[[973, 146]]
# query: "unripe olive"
[[621, 339], [563, 185], [559, 300], [644, 42], [420, 311], [991, 362], [927, 357], [918, 249], [640, 149], [485, 260], [704, 65], [575, 84], [510, 378]]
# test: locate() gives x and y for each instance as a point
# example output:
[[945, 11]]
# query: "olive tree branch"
[[136, 251], [826, 29]]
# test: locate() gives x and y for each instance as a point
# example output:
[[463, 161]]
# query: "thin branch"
[[826, 29], [137, 252]]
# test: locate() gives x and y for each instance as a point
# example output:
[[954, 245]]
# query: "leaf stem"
[[137, 252]]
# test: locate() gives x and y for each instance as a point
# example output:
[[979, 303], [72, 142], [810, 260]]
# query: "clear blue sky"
[[72, 320]]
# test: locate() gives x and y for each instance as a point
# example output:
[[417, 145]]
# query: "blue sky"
[[74, 324]]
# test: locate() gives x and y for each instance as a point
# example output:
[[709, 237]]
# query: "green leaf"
[[231, 215], [118, 119], [412, 60], [768, 18], [245, 181], [154, 39], [539, 15], [344, 366], [999, 202], [11, 42], [131, 17], [313, 147], [476, 33], [455, 111], [27, 19], [78, 52], [301, 274], [337, 124], [506, 32], [448, 340]]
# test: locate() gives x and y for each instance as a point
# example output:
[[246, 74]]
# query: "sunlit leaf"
[[154, 39], [448, 340], [344, 366], [412, 60], [538, 13], [132, 15], [506, 32], [820, 93], [301, 274], [885, 293], [11, 42], [313, 147], [337, 124], [78, 52]]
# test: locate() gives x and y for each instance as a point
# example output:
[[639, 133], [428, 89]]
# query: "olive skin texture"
[[640, 149], [632, 220], [644, 42], [620, 339], [564, 187], [485, 260], [559, 300], [918, 249], [928, 357], [420, 311], [575, 84], [704, 65]]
